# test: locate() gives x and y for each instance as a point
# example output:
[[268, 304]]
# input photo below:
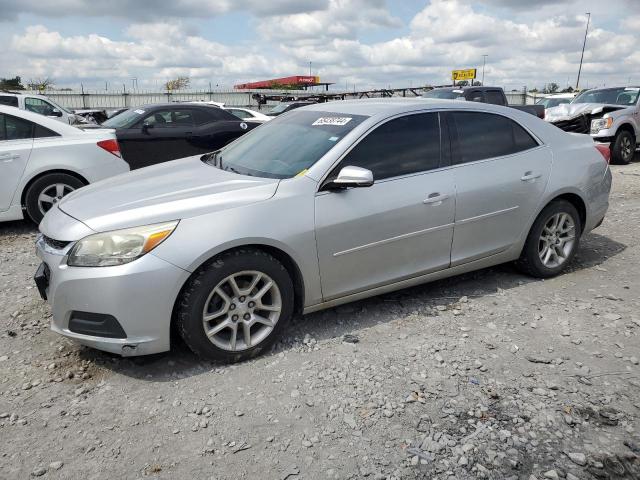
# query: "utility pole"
[[484, 61], [309, 68], [583, 45]]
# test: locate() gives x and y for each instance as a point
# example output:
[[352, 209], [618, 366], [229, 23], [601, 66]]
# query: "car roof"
[[609, 88], [150, 106], [466, 87], [397, 105], [50, 123], [23, 94]]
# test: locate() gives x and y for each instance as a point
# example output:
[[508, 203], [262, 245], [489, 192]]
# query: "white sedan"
[[42, 160], [248, 114]]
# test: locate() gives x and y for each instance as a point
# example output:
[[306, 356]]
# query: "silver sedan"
[[321, 206]]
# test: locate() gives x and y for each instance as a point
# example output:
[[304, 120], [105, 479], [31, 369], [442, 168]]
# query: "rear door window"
[[401, 146], [170, 118], [42, 132], [487, 135], [475, 96], [495, 97], [14, 128]]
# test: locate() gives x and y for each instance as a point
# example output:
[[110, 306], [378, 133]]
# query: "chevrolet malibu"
[[325, 205]]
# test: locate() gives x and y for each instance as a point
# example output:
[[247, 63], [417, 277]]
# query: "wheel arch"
[[577, 201], [25, 188], [626, 126], [279, 254]]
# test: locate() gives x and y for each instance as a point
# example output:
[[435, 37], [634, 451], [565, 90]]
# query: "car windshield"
[[613, 96], [447, 94], [552, 102], [125, 119], [279, 108], [287, 145]]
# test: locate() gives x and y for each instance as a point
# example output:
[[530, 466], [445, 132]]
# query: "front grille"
[[580, 124], [55, 244]]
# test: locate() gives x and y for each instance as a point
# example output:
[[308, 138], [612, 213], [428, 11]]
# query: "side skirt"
[[503, 257]]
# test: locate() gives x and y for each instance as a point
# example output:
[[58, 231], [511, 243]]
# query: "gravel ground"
[[487, 375]]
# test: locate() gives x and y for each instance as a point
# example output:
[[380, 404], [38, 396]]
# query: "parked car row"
[[323, 205]]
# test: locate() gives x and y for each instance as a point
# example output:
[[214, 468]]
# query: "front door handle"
[[529, 176], [435, 199]]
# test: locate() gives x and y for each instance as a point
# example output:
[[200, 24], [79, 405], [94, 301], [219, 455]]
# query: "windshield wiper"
[[213, 158], [231, 169]]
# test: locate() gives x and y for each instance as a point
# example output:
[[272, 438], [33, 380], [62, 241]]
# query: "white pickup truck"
[[39, 104], [609, 115]]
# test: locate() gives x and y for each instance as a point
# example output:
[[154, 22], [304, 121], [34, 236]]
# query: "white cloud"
[[443, 35], [152, 10]]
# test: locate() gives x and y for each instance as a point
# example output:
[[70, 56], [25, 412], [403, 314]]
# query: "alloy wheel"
[[627, 150], [242, 310], [557, 240], [52, 195]]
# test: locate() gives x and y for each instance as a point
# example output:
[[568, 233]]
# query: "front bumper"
[[140, 295]]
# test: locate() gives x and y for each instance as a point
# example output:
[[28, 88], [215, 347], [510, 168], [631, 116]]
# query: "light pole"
[[484, 61], [309, 68], [583, 45]]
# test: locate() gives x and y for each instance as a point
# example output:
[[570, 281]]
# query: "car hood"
[[567, 111], [169, 191]]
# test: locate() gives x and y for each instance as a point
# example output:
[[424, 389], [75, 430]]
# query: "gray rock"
[[577, 458]]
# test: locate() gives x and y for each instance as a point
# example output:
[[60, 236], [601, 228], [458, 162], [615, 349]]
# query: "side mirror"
[[55, 113], [351, 177], [146, 127]]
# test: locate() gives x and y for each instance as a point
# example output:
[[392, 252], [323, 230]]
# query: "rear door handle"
[[435, 199], [7, 157], [528, 176]]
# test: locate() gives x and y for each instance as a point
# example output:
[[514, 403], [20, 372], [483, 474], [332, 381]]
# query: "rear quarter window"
[[9, 100]]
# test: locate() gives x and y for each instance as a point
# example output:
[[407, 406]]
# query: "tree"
[[14, 83], [477, 83], [40, 83], [177, 83], [463, 83], [569, 89], [551, 88]]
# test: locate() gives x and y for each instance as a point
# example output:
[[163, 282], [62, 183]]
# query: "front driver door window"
[[38, 105], [398, 228]]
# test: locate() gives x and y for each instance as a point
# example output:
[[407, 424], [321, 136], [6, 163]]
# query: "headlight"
[[601, 124], [118, 247]]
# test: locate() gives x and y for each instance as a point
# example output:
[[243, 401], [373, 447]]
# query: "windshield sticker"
[[139, 112], [333, 139], [301, 173], [332, 121]]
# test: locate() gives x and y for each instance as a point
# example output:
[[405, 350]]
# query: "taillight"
[[605, 151], [111, 146]]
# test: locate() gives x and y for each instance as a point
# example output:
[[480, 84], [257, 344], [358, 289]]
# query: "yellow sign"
[[468, 74]]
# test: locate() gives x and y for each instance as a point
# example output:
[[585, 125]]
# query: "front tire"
[[552, 241], [46, 191], [624, 148], [235, 306]]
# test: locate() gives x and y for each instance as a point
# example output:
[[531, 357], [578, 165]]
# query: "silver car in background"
[[323, 205]]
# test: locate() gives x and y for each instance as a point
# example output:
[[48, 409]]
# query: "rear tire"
[[624, 148], [552, 241], [235, 306], [47, 191]]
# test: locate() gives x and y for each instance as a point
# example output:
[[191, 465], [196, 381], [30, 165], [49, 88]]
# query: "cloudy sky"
[[361, 43]]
